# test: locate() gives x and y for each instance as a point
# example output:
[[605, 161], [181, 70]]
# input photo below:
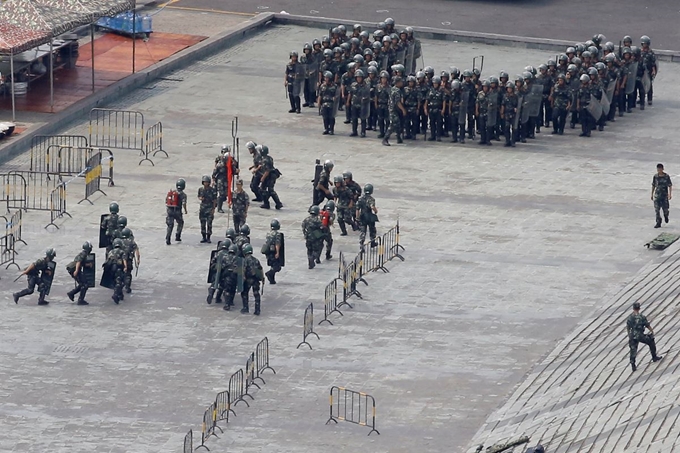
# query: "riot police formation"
[[378, 84]]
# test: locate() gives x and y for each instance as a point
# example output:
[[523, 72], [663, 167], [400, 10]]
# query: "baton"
[[18, 278], [285, 88], [136, 270], [262, 290]]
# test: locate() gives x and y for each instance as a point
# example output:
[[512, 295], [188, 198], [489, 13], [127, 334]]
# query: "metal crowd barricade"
[[154, 142], [353, 407], [57, 204], [262, 359], [209, 425], [250, 375], [119, 129], [330, 301], [71, 160], [390, 242], [41, 143], [189, 442], [14, 191], [39, 187], [236, 388], [372, 257], [108, 158], [7, 250], [351, 275], [223, 406], [308, 326], [14, 225], [93, 176]]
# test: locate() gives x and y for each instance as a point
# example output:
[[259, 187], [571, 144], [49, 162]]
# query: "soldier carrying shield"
[[40, 273], [82, 270]]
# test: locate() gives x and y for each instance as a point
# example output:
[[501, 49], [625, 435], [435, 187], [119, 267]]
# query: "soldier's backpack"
[[71, 268], [172, 199], [325, 218]]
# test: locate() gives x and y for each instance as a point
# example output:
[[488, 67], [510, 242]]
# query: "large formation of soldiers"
[[376, 83]]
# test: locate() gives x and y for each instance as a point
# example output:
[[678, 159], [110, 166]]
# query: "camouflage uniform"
[[240, 241], [257, 175], [220, 177], [174, 214], [112, 229], [328, 92], [648, 62], [510, 105], [320, 195], [129, 248], [411, 104], [36, 276], [344, 201], [116, 259], [328, 234], [661, 185], [435, 104], [206, 211], [239, 208], [252, 276], [382, 108], [311, 230], [483, 108], [80, 279], [267, 186], [635, 325], [272, 240], [561, 96], [396, 97], [584, 93], [367, 218]]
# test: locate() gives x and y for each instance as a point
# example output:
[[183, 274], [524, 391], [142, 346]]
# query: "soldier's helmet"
[[609, 46], [354, 42], [503, 74], [543, 67], [627, 39], [561, 77], [400, 68], [329, 206], [455, 84], [328, 75], [293, 54], [338, 179], [576, 61], [205, 178], [181, 184], [486, 83], [87, 246], [403, 32], [530, 69], [527, 75], [420, 75], [328, 165], [122, 221], [342, 29], [429, 71], [592, 71], [233, 248], [445, 74], [372, 69], [436, 80], [467, 73], [389, 21], [572, 68], [224, 245], [307, 46], [384, 74], [586, 54], [626, 50], [358, 74], [551, 62], [600, 66], [584, 78], [50, 253], [493, 80], [510, 85], [335, 31], [113, 208], [589, 43], [368, 188], [126, 233], [245, 229], [519, 78], [563, 58], [636, 305], [117, 243], [476, 72], [376, 45], [347, 175], [275, 224], [247, 249], [345, 46], [636, 51], [593, 51], [314, 210], [250, 145], [357, 27], [610, 58], [455, 72], [368, 51], [570, 50], [265, 150], [316, 42], [410, 79], [596, 39], [386, 39], [382, 26], [645, 40], [364, 35], [231, 233], [409, 31], [325, 39]]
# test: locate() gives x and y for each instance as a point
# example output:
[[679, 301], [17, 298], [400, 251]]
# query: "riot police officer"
[[269, 176], [39, 273], [117, 267], [252, 276], [206, 211], [313, 234], [367, 215], [176, 200], [273, 250], [77, 270]]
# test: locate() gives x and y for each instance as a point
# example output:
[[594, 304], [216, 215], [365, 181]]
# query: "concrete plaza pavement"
[[507, 250]]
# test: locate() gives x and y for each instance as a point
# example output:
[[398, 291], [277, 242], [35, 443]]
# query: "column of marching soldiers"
[[377, 85], [233, 268]]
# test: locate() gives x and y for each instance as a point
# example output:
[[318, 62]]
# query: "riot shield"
[[89, 269], [401, 56], [318, 168], [610, 89], [462, 109], [520, 109], [532, 103], [481, 65], [365, 94], [646, 81], [384, 61], [605, 102], [103, 238], [410, 61], [282, 251], [47, 277], [336, 103], [632, 76], [239, 274], [595, 108], [213, 270], [108, 279], [492, 112], [298, 84]]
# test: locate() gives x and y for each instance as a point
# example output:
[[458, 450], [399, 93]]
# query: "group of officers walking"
[[378, 86]]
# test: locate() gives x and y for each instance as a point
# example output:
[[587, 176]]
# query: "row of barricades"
[[10, 238], [338, 292], [239, 387]]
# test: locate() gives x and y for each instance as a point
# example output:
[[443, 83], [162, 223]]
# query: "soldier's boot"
[[218, 296], [81, 297], [328, 251], [657, 358], [348, 115], [363, 128], [355, 125], [245, 308], [326, 126], [207, 238], [317, 257], [292, 104], [332, 131], [128, 285], [115, 297], [71, 294], [270, 277], [432, 135], [633, 367], [382, 129], [167, 239], [277, 201], [204, 240], [228, 301], [399, 139], [297, 104], [385, 140], [211, 292], [20, 294], [310, 261], [178, 238], [220, 204], [343, 229], [265, 202], [41, 299], [257, 304]]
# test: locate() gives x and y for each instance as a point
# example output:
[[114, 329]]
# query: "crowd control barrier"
[[93, 177], [353, 407], [14, 225], [7, 249], [154, 142], [351, 276], [39, 187], [308, 326], [250, 375], [223, 407], [391, 245], [14, 191], [262, 359], [189, 442], [57, 204], [330, 301], [209, 425], [236, 389], [40, 144]]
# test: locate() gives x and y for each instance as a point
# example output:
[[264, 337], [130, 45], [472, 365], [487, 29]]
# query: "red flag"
[[230, 177]]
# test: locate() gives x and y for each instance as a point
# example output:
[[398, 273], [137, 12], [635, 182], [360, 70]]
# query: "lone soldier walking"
[[77, 270], [272, 250], [662, 192], [252, 276], [311, 230], [255, 169], [239, 205], [636, 325], [116, 260], [206, 212], [322, 190], [175, 201], [367, 215], [38, 273]]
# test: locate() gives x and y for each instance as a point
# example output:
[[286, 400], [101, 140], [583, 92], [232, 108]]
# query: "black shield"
[[108, 279], [212, 269], [239, 274], [103, 238], [282, 251], [47, 276], [89, 268]]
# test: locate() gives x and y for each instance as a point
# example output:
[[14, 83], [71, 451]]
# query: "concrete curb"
[[178, 61], [552, 45]]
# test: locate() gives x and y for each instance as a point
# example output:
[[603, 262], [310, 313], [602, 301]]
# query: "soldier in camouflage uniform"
[[648, 62], [328, 93], [482, 112], [242, 239], [290, 80], [434, 104], [322, 190], [358, 101], [412, 104], [111, 225], [311, 230], [37, 273], [635, 326], [373, 81], [382, 101], [344, 200], [76, 270], [397, 111], [613, 74], [453, 106], [509, 112], [346, 81], [269, 176], [356, 191], [116, 260], [560, 100], [329, 208], [206, 211], [132, 257], [366, 212], [239, 205], [583, 100], [272, 251], [252, 276], [255, 169], [174, 214], [662, 191], [423, 88], [219, 175], [228, 276]]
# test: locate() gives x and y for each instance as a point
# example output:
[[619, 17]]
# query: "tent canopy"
[[15, 39]]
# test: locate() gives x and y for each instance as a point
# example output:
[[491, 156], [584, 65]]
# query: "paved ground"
[[575, 20], [506, 252]]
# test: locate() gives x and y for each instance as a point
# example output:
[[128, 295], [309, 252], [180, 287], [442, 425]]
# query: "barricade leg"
[[146, 158], [262, 359]]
